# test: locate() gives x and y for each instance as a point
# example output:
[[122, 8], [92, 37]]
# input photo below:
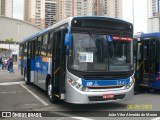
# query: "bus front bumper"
[[73, 95]]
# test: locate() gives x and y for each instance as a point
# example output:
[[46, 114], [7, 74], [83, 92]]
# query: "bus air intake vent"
[[105, 87]]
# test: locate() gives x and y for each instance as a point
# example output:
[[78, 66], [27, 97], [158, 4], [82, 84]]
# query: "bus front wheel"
[[51, 96]]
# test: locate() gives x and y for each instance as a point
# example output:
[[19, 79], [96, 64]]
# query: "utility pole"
[[133, 12]]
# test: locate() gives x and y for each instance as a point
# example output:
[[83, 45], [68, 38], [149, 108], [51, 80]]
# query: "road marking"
[[12, 92], [82, 118], [19, 91], [33, 104], [38, 98], [3, 92], [12, 83], [157, 118], [71, 116]]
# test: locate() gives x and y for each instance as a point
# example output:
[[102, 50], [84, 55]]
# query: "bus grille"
[[103, 77], [100, 98], [105, 87]]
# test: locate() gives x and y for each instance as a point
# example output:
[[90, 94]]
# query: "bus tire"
[[52, 98]]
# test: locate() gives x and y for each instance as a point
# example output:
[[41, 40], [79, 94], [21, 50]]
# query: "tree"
[[9, 41]]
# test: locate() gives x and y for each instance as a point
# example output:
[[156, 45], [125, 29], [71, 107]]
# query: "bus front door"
[[146, 62], [28, 65], [59, 64]]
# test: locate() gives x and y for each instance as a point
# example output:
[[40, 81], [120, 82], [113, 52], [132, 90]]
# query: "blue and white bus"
[[81, 60], [147, 55]]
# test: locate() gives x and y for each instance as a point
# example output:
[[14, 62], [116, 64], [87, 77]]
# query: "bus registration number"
[[108, 96]]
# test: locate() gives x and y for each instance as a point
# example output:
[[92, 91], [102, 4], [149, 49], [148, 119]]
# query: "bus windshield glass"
[[95, 52]]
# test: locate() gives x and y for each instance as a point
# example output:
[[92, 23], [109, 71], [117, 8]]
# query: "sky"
[[18, 9], [140, 13]]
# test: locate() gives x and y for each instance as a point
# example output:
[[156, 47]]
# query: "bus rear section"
[[147, 62], [99, 61]]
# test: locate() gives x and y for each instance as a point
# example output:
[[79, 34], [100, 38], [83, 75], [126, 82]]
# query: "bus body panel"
[[155, 84], [41, 68], [147, 60], [32, 70], [24, 64], [41, 72], [74, 95]]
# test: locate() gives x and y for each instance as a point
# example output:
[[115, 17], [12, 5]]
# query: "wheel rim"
[[50, 90]]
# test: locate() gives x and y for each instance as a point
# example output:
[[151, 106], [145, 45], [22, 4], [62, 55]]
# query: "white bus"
[[81, 60]]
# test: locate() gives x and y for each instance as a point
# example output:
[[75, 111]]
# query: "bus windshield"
[[95, 52]]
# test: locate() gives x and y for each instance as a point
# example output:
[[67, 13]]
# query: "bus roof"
[[68, 20], [48, 29], [152, 34]]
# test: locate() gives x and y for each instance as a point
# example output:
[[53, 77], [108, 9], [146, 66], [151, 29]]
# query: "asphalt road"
[[15, 96]]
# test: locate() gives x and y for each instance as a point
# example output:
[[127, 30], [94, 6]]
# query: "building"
[[34, 12], [16, 30], [113, 8], [50, 12], [41, 13], [153, 22], [6, 8], [67, 8], [64, 9]]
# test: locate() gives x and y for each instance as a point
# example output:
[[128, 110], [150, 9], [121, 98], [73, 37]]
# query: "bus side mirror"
[[68, 39]]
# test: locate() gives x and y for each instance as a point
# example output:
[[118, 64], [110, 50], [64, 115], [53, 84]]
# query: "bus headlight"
[[131, 82], [76, 85]]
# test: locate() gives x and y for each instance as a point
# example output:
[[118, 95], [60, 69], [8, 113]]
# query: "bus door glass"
[[153, 60], [146, 58], [21, 58], [142, 61], [28, 60], [58, 66]]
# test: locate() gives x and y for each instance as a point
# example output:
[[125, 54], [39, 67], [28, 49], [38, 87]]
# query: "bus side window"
[[38, 44], [44, 45], [50, 44], [39, 41], [25, 49], [33, 49]]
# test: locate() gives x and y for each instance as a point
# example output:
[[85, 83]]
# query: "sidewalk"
[[5, 76]]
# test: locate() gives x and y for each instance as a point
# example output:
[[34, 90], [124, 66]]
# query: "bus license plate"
[[108, 96]]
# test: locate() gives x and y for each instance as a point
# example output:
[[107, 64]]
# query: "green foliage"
[[9, 40]]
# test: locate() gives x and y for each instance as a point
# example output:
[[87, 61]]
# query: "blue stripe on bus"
[[152, 34], [155, 84], [104, 82], [41, 67], [33, 65]]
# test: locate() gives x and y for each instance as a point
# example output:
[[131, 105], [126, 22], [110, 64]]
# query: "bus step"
[[146, 75], [145, 78]]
